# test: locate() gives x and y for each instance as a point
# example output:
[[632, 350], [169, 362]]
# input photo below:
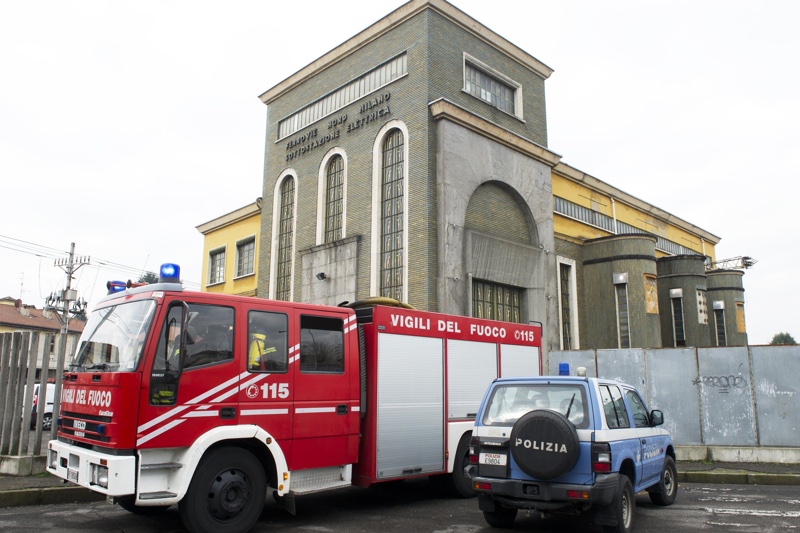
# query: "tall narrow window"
[[285, 236], [679, 335], [719, 319], [741, 327], [496, 302], [392, 198], [333, 199], [245, 256], [565, 272], [216, 266], [623, 325], [650, 294], [702, 307]]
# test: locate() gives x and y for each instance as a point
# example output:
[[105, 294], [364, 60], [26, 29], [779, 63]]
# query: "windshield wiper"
[[99, 366], [570, 405]]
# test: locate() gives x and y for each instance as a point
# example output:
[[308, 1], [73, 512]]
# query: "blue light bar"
[[169, 273], [115, 286]]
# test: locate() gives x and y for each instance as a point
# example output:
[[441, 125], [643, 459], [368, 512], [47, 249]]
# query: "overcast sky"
[[124, 125]]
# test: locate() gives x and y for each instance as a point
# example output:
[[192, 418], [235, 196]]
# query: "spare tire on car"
[[544, 444]]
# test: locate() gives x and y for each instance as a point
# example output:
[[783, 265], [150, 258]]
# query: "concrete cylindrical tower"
[[682, 299], [726, 308]]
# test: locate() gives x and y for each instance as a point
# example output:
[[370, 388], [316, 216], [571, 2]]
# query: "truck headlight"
[[52, 459], [99, 475]]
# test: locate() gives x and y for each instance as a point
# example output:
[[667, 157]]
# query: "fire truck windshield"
[[114, 337]]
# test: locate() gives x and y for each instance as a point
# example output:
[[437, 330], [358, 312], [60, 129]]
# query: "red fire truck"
[[213, 402]]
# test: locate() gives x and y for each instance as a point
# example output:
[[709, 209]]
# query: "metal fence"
[[729, 396]]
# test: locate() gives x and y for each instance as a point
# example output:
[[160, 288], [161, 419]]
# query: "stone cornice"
[[231, 218], [444, 109], [392, 20], [565, 171]]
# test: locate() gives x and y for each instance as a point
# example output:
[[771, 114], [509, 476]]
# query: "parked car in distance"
[[569, 444], [47, 418]]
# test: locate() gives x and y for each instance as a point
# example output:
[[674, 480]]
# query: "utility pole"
[[68, 295]]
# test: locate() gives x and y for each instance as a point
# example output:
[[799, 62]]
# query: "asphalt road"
[[416, 506]]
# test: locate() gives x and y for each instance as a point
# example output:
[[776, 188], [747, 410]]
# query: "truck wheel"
[[622, 507], [458, 484], [667, 485], [501, 517], [47, 421], [544, 444], [128, 505], [227, 493]]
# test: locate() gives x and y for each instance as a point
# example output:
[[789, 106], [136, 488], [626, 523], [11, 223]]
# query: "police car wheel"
[[667, 485], [501, 517], [623, 507], [544, 444]]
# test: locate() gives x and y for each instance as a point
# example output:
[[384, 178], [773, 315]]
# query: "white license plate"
[[495, 459], [72, 475]]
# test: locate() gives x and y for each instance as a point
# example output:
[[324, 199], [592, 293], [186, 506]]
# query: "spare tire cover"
[[544, 444]]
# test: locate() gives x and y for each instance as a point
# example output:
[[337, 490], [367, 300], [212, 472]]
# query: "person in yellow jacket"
[[262, 355]]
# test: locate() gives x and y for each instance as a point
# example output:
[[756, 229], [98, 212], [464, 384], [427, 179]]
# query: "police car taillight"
[[601, 457], [473, 450]]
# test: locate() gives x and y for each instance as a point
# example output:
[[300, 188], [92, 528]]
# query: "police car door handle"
[[341, 409], [644, 441]]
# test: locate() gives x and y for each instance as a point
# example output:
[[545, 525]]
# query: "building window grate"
[[623, 323], [333, 199], [493, 301], [245, 257], [677, 322], [565, 272], [285, 237], [488, 88], [216, 267], [370, 82], [392, 199]]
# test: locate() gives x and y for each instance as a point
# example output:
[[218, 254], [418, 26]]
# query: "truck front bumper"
[[544, 495], [112, 475]]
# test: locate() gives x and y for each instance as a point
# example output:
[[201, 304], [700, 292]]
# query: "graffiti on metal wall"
[[723, 384]]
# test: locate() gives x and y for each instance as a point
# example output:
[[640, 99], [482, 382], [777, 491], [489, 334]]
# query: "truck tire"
[[501, 517], [457, 484], [227, 493], [667, 486], [544, 444], [622, 507]]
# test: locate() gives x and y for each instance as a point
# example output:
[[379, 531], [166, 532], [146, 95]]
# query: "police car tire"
[[544, 444], [667, 485]]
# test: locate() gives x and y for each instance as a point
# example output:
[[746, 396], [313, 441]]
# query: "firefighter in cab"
[[263, 352]]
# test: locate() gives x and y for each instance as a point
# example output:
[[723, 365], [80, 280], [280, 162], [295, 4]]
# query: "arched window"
[[285, 253], [391, 216], [334, 199]]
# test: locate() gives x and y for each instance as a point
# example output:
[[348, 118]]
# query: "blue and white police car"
[[569, 444]]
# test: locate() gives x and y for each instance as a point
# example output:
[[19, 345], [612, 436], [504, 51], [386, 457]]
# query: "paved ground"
[[47, 489]]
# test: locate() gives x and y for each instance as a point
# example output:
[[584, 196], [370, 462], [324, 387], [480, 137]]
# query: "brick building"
[[412, 162]]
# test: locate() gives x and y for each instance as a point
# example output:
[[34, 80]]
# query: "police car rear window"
[[509, 402]]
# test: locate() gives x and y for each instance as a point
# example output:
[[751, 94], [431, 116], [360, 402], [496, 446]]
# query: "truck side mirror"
[[656, 418]]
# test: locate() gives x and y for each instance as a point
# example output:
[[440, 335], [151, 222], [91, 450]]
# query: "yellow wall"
[[227, 235], [583, 195]]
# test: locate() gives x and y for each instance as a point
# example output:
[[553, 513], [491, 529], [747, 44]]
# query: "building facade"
[[16, 317], [412, 162], [230, 251]]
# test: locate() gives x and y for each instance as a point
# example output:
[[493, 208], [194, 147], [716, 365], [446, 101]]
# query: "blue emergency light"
[[115, 286], [169, 273]]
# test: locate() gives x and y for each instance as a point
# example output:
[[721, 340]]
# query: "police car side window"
[[267, 342], [640, 417], [614, 407]]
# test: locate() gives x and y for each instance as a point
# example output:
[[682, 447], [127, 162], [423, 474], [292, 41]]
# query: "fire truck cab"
[[214, 401]]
